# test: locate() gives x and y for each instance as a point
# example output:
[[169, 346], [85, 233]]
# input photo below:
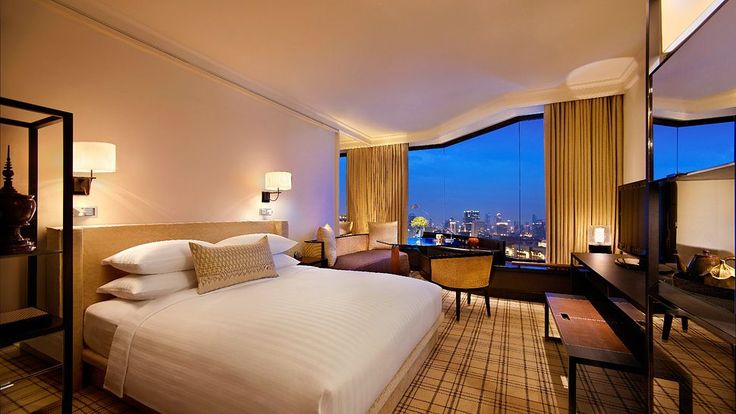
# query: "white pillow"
[[326, 235], [144, 287], [278, 244], [284, 260], [157, 257]]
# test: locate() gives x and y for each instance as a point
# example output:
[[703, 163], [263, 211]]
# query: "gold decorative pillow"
[[346, 227], [382, 232], [222, 266]]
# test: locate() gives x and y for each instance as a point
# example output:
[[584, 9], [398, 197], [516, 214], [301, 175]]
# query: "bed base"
[[95, 366], [396, 388]]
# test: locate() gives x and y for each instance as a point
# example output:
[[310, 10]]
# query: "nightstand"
[[313, 261]]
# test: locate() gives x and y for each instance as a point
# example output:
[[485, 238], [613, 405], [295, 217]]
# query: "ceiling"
[[699, 80], [390, 71]]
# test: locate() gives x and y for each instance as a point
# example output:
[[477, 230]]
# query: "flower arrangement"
[[419, 221]]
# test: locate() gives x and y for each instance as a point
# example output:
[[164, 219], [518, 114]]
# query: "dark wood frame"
[[52, 117]]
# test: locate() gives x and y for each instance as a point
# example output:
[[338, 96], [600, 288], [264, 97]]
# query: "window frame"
[[502, 124]]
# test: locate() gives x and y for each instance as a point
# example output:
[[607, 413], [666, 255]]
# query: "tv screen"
[[632, 224]]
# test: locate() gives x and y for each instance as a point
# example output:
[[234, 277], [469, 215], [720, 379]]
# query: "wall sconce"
[[95, 157], [276, 182], [599, 239]]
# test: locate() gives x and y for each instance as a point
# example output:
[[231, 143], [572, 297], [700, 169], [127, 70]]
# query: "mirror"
[[693, 134], [699, 81]]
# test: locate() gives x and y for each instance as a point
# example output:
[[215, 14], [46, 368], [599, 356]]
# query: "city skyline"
[[500, 171]]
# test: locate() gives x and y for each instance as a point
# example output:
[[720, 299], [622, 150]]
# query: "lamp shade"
[[94, 156], [278, 181], [599, 235]]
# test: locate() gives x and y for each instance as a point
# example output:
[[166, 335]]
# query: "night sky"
[[503, 171], [692, 148]]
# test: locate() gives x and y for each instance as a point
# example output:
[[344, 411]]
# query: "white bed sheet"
[[312, 340], [102, 319]]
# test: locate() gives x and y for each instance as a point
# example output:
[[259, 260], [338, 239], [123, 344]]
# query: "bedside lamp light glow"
[[92, 157], [599, 236], [275, 183]]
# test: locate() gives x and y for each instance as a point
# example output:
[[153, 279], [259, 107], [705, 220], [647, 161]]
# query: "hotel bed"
[[310, 340]]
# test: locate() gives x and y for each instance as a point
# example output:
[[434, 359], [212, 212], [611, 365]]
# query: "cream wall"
[[705, 214], [635, 128], [190, 147]]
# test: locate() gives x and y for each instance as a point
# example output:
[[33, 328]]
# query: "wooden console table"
[[620, 304]]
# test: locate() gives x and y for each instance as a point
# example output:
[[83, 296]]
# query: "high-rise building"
[[539, 229], [502, 227], [451, 225], [470, 216]]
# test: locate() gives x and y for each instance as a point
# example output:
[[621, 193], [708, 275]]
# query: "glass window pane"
[[342, 191], [491, 186], [427, 187], [483, 175], [533, 231], [665, 151], [705, 146]]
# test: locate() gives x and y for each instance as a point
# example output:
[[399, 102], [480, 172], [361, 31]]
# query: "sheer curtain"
[[584, 163], [377, 186]]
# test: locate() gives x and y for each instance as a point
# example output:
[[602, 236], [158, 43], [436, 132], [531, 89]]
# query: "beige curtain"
[[584, 166], [377, 186]]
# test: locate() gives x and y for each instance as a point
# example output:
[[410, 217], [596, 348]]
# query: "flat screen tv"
[[632, 222]]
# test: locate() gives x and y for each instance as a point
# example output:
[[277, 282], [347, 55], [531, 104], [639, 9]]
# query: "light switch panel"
[[86, 211], [266, 211]]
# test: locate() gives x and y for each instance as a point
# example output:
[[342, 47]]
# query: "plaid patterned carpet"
[[503, 364], [479, 365]]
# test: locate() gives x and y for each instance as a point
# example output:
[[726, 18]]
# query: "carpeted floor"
[[481, 365], [503, 364]]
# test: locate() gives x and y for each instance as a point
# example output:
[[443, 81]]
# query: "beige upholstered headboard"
[[94, 243]]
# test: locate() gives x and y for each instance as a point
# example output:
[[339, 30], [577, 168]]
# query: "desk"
[[629, 283], [417, 249], [623, 303]]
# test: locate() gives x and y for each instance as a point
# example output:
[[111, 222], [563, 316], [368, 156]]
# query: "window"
[[491, 185], [682, 146], [342, 190]]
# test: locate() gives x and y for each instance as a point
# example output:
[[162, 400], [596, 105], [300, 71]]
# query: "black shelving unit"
[[56, 323]]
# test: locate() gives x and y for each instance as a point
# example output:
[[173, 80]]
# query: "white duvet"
[[310, 341]]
